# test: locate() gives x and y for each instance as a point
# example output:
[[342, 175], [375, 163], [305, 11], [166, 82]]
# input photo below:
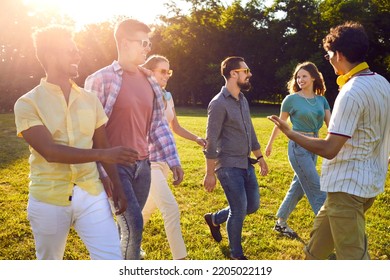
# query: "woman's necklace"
[[307, 99]]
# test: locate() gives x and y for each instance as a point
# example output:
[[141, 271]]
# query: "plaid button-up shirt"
[[107, 82]]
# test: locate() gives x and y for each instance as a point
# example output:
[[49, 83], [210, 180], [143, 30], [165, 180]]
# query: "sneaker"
[[215, 230], [284, 229], [142, 254]]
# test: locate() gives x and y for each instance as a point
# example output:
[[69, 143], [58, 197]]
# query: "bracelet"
[[260, 157]]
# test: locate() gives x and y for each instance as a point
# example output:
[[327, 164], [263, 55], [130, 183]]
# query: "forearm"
[[274, 134], [318, 146], [112, 173], [182, 132], [210, 166], [257, 153], [70, 155]]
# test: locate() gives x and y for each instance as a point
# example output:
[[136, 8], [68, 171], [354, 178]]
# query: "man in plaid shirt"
[[132, 100]]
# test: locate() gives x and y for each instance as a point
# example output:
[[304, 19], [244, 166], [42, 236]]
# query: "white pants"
[[161, 197], [91, 217]]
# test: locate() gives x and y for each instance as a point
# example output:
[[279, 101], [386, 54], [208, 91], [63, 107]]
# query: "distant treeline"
[[271, 39]]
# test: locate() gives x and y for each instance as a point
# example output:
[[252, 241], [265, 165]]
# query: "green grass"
[[259, 240]]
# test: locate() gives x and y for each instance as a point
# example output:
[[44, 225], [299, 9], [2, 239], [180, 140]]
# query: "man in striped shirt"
[[132, 100], [356, 148]]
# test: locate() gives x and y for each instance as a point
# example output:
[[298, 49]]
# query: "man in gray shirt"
[[231, 139]]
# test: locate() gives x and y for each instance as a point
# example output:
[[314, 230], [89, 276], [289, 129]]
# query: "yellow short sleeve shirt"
[[72, 124]]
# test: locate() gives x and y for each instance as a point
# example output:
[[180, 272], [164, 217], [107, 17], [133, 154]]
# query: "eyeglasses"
[[329, 55], [143, 43], [165, 72], [246, 70]]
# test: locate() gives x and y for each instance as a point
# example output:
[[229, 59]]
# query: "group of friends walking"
[[107, 149]]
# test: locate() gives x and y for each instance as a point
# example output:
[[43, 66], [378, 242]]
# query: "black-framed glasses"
[[168, 72], [245, 70], [329, 55], [143, 43]]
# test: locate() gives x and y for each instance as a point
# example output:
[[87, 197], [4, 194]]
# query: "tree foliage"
[[271, 39]]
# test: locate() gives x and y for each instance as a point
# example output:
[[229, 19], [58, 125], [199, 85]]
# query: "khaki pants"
[[340, 225]]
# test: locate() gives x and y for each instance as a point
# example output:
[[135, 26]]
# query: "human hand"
[[263, 167], [120, 154], [178, 174], [209, 182], [119, 198], [268, 149], [201, 142]]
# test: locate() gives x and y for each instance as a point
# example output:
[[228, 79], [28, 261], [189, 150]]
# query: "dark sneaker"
[[215, 230], [284, 229], [239, 258]]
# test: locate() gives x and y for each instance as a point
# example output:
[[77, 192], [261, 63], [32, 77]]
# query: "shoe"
[[215, 230], [239, 258], [284, 229], [142, 254]]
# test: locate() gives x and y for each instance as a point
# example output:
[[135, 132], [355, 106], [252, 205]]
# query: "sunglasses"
[[143, 43], [246, 70], [329, 55], [165, 72]]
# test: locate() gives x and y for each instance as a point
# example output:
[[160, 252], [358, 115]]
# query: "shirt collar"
[[56, 88], [226, 93], [118, 68]]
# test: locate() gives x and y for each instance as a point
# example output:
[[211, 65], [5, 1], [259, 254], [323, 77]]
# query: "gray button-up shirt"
[[230, 133]]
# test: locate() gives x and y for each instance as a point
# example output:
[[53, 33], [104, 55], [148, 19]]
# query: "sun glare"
[[94, 11]]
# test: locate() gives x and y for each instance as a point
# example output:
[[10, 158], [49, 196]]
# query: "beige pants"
[[340, 225], [161, 197]]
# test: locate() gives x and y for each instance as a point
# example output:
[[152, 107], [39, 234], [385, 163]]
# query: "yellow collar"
[[343, 79]]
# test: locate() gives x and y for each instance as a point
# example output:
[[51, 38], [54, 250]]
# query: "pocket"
[[87, 121], [42, 217], [345, 227]]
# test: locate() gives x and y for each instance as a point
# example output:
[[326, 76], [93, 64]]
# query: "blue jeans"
[[242, 193], [136, 184], [306, 181]]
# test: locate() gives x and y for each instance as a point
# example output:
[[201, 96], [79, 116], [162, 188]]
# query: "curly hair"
[[350, 39], [49, 39]]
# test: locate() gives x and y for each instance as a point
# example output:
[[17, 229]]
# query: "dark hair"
[[49, 39], [350, 39], [318, 84], [127, 27], [230, 63], [153, 60]]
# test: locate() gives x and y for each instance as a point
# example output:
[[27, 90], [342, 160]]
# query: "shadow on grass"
[[12, 148]]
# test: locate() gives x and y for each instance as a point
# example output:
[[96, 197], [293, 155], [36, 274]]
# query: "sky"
[[92, 11]]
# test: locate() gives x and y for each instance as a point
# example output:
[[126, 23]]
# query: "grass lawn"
[[259, 240]]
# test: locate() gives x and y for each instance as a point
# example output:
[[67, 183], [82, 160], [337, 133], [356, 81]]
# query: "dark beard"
[[244, 86]]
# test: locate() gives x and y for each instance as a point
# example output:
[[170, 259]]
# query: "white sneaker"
[[142, 254]]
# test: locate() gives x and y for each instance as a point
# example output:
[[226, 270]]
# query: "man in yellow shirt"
[[64, 126]]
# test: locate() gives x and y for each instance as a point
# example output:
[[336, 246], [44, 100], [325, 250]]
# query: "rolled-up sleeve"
[[216, 115]]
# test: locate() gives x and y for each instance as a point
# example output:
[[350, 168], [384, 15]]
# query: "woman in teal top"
[[307, 109]]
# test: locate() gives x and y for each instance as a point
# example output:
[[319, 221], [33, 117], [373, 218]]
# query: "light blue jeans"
[[242, 193], [136, 184], [306, 181]]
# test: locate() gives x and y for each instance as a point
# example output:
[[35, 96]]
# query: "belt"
[[304, 132]]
